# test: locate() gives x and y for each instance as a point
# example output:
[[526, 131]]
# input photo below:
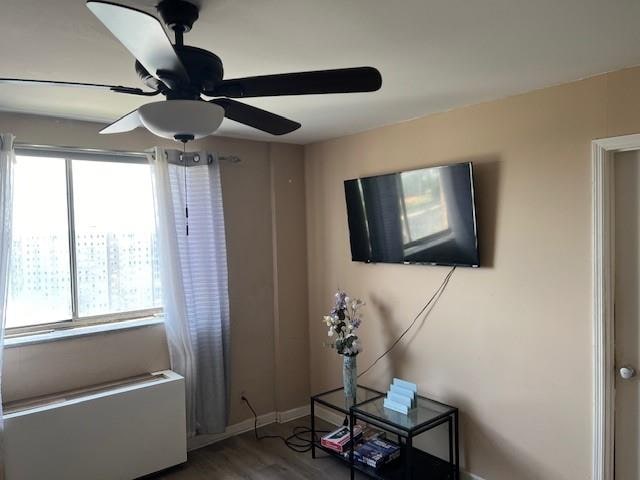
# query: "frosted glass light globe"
[[181, 117]]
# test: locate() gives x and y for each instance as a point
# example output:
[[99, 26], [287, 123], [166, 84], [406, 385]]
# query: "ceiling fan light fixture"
[[175, 118]]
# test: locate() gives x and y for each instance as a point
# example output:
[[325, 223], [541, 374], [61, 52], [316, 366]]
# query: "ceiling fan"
[[185, 74]]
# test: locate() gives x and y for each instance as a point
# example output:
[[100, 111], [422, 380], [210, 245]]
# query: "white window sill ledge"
[[66, 334]]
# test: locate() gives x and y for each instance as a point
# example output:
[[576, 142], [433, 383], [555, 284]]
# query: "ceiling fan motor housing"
[[204, 68]]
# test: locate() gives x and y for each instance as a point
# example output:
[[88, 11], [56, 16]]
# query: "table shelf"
[[437, 468]]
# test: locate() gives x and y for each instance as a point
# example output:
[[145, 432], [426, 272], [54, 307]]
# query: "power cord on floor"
[[296, 441]]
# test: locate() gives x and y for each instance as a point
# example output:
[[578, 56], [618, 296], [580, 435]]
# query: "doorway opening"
[[604, 153]]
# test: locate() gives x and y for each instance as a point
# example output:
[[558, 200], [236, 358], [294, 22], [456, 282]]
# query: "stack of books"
[[376, 452], [371, 447], [340, 440], [368, 433]]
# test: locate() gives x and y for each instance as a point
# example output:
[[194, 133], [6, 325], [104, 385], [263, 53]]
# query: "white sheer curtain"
[[194, 284], [7, 161]]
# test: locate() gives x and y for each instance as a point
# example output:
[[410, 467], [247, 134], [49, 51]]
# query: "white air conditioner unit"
[[121, 431]]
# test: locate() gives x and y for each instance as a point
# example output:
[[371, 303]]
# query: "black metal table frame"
[[451, 418]]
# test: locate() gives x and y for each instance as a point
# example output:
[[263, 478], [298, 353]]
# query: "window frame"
[[68, 154]]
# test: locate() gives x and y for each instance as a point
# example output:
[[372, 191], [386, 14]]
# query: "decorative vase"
[[350, 377]]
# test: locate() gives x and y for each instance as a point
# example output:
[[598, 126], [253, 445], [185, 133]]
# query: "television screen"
[[422, 216]]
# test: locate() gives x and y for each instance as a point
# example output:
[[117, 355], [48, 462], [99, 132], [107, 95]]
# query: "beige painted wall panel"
[[290, 271], [246, 195], [43, 368], [623, 102], [509, 343]]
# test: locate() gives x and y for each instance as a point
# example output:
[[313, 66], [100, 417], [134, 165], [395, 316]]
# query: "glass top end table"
[[369, 407]]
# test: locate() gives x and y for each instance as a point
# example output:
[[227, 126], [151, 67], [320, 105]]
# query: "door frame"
[[602, 155]]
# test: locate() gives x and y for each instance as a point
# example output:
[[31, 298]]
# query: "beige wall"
[[509, 343], [290, 276], [58, 366], [247, 195]]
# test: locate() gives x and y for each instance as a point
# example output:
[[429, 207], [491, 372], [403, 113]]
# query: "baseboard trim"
[[469, 476], [325, 414], [201, 441], [329, 415], [293, 414]]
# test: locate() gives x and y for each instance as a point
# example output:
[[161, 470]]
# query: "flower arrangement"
[[343, 320]]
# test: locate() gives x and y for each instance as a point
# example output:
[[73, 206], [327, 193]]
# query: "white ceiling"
[[434, 55]]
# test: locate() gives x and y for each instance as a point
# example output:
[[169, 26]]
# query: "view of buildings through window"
[[113, 241]]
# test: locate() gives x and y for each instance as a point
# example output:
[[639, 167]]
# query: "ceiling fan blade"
[[55, 83], [343, 80], [256, 117], [126, 123], [142, 34]]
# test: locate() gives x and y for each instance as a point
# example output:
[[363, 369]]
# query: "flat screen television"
[[424, 216]]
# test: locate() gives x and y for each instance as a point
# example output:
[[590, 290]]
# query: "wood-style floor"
[[244, 457]]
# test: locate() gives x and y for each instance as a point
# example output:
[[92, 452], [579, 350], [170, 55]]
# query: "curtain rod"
[[62, 149]]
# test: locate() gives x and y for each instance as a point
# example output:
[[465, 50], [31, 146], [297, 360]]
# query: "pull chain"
[[186, 196]]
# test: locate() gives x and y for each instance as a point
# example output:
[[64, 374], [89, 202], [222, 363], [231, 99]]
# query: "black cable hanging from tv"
[[432, 302]]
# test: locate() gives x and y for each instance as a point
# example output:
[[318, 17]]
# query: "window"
[[423, 204], [84, 245]]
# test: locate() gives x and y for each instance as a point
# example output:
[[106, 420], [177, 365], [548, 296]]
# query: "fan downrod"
[[204, 68], [178, 15]]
